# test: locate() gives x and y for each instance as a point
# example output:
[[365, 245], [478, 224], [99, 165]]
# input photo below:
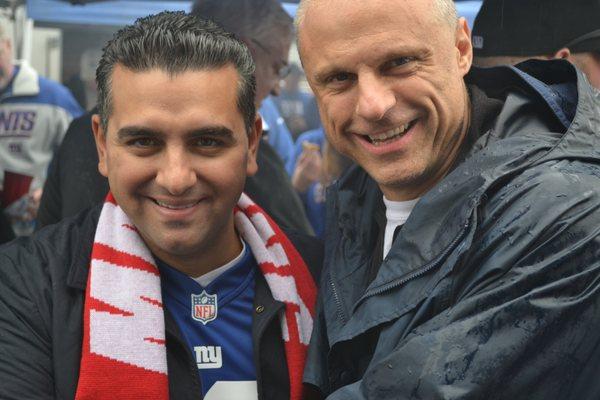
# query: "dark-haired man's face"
[[176, 154]]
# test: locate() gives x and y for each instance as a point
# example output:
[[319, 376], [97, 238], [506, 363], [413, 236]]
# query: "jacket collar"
[[25, 81], [80, 264]]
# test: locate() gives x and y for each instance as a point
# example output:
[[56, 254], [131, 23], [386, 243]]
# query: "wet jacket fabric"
[[492, 288], [42, 294]]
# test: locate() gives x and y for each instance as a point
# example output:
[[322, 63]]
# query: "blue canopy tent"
[[111, 12], [122, 12]]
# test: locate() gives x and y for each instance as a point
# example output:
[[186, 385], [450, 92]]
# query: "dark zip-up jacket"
[[42, 287], [6, 232], [492, 288]]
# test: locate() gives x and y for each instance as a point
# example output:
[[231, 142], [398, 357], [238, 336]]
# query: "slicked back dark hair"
[[176, 42]]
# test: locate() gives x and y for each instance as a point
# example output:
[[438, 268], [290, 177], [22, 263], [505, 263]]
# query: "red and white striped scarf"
[[124, 354]]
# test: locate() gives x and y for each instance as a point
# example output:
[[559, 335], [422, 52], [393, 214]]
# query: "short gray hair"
[[176, 42], [261, 20], [446, 11]]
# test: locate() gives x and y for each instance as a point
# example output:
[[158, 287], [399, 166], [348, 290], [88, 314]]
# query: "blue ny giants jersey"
[[216, 322]]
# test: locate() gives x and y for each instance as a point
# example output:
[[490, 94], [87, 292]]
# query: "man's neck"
[[205, 261]]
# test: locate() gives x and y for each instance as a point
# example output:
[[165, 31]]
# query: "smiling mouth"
[[170, 206], [390, 135]]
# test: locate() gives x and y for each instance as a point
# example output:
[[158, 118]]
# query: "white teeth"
[[394, 133], [174, 207]]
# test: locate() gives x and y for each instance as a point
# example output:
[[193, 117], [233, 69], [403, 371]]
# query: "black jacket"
[[42, 285], [492, 288], [6, 232], [74, 183]]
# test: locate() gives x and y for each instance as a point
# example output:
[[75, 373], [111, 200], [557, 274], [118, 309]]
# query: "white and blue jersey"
[[34, 116], [216, 322]]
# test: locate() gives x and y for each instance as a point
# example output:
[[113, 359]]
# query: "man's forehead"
[[209, 94], [371, 29], [328, 18]]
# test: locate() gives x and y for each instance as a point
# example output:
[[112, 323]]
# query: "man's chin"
[[402, 182], [171, 247]]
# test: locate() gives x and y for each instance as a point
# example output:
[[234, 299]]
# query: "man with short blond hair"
[[463, 257]]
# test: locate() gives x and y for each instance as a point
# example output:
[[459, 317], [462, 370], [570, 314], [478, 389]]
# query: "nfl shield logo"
[[204, 307]]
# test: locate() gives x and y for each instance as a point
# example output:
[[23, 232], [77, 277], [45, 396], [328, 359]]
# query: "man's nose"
[[375, 98], [176, 174]]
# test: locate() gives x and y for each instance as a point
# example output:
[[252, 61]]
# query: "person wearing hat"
[[511, 31]]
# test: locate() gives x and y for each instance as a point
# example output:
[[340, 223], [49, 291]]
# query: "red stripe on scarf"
[[108, 254], [109, 380], [101, 378], [101, 306]]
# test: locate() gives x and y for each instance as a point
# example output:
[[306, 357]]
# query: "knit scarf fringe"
[[124, 353]]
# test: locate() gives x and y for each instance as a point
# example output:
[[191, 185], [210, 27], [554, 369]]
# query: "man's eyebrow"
[[321, 77], [216, 130], [130, 132]]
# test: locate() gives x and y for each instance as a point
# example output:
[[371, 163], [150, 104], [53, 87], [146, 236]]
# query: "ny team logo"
[[204, 307]]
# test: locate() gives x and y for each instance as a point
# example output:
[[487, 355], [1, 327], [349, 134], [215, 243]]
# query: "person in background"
[[463, 257], [177, 286], [75, 184], [511, 31], [298, 108], [268, 31], [316, 166], [34, 115], [276, 131]]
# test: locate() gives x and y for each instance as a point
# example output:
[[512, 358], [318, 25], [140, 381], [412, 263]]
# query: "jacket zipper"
[[421, 271], [338, 303]]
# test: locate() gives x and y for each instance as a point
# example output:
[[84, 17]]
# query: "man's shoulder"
[[548, 193], [55, 94], [53, 251]]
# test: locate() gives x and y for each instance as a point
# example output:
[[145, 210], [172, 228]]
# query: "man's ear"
[[100, 138], [464, 46], [562, 54], [253, 142]]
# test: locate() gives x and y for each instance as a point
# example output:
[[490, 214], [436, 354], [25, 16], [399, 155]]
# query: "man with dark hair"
[[511, 31], [178, 286], [267, 30], [463, 251]]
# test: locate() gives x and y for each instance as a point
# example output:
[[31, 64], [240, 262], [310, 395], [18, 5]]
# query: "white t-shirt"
[[206, 279], [396, 214]]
